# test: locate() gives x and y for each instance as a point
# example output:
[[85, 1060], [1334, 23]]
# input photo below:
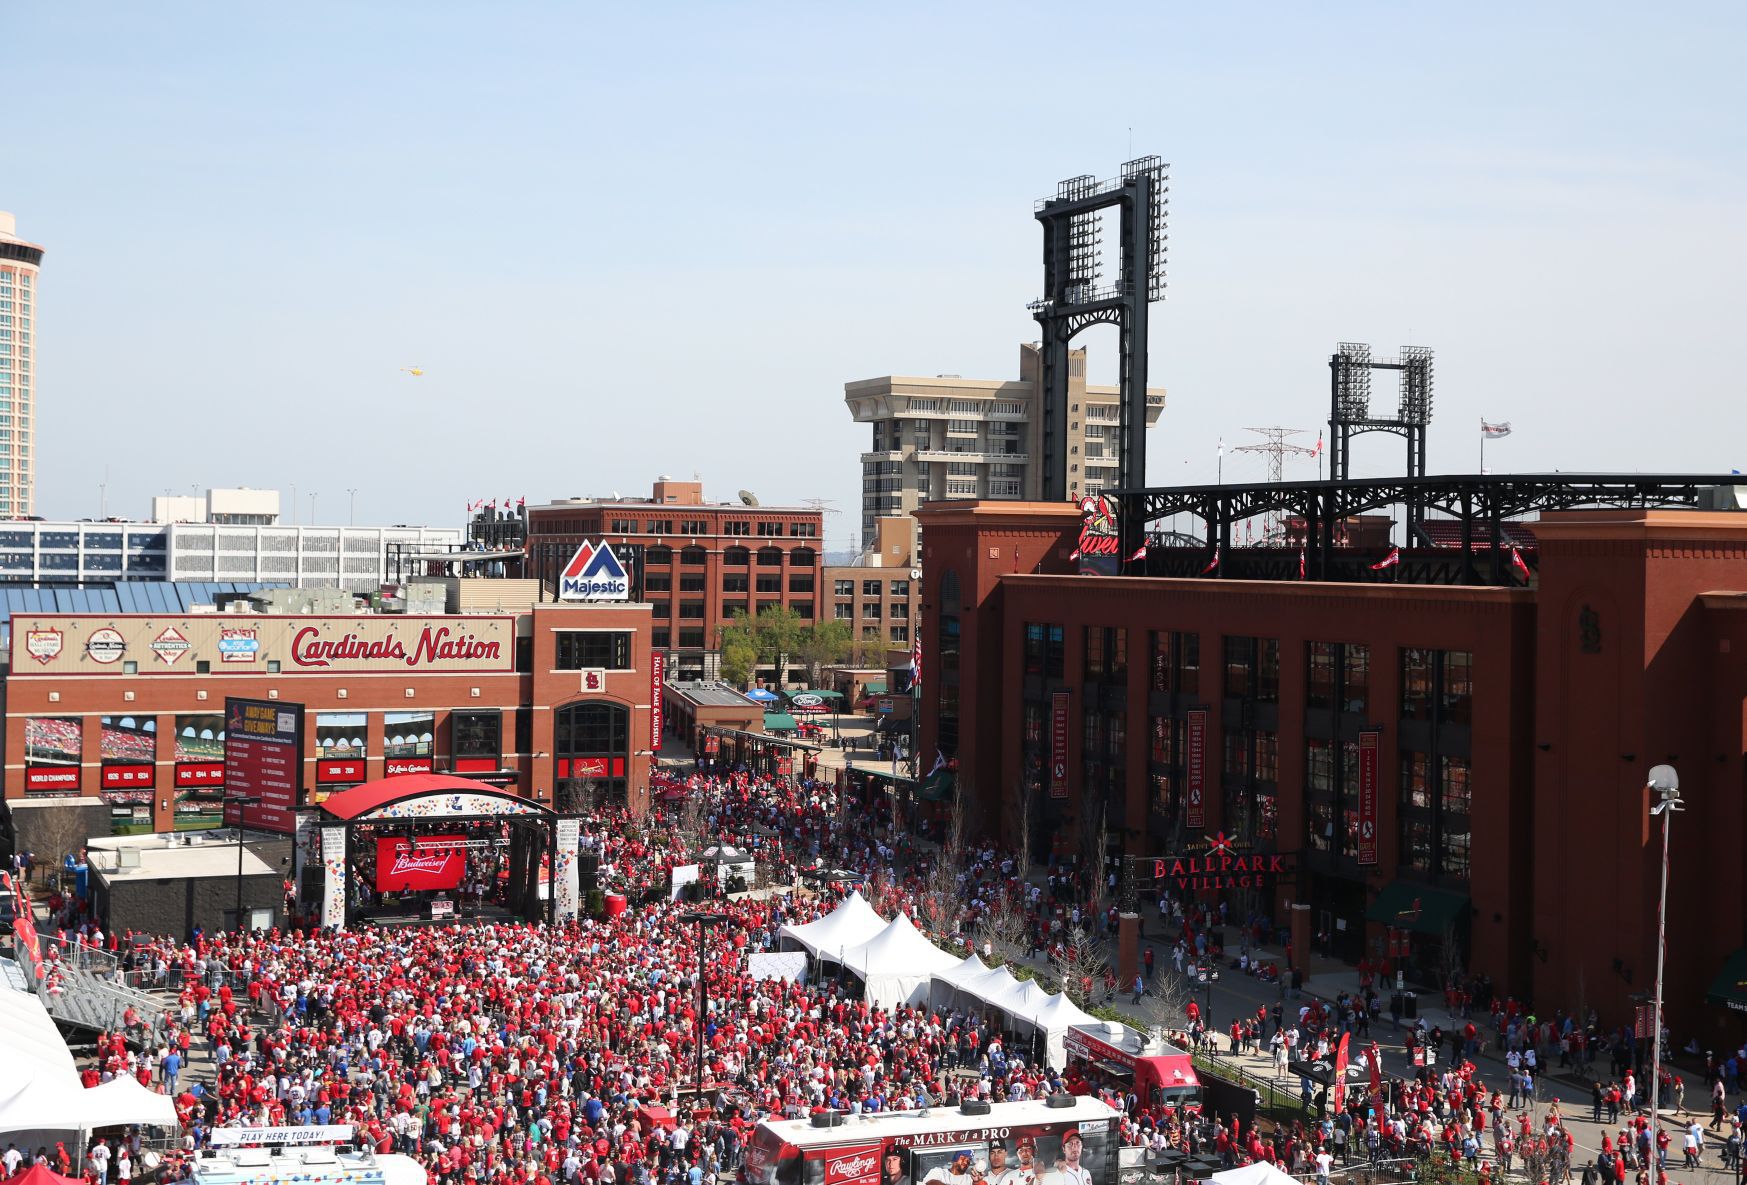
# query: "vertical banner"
[[1340, 1084], [1058, 744], [567, 872], [1195, 768], [333, 863], [657, 673], [1369, 742]]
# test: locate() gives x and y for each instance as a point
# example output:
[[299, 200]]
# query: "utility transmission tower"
[[824, 507], [1276, 446]]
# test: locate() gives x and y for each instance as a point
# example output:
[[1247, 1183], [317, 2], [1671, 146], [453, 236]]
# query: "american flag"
[[916, 659]]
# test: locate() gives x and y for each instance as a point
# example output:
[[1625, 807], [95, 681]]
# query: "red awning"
[[361, 800]]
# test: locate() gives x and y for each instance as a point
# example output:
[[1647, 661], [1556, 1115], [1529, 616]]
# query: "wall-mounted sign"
[[105, 646], [263, 757], [1058, 744], [594, 573], [1369, 740], [1195, 768]]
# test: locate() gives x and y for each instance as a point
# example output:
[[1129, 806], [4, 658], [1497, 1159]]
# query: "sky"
[[640, 239]]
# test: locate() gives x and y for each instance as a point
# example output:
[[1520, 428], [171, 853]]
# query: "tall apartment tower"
[[950, 437], [19, 264]]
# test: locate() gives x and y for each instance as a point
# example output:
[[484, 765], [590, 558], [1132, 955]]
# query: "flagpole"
[[1483, 446]]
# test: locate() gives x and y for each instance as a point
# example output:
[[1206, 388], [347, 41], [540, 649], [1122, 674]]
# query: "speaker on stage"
[[588, 865]]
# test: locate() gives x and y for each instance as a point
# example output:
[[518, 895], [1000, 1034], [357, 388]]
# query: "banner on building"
[[1370, 742], [1340, 1083], [1058, 744], [1195, 768], [657, 672], [402, 866], [263, 760]]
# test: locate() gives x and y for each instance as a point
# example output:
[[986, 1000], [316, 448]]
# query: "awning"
[[1729, 988], [779, 722], [1420, 908], [876, 687]]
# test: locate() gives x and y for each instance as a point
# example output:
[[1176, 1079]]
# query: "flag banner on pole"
[[1388, 561], [1139, 552], [1212, 563], [1517, 562], [1301, 558], [1317, 451], [916, 659], [1494, 431]]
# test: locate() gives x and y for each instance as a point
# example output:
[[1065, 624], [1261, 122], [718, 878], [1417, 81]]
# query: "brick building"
[[696, 563], [1457, 769], [879, 595], [128, 709]]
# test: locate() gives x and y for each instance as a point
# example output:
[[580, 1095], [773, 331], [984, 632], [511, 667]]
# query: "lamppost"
[[240, 801], [1665, 783], [1206, 975], [703, 921]]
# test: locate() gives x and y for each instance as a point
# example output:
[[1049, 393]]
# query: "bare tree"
[[944, 893], [57, 829], [1165, 1005], [1080, 966], [1094, 843]]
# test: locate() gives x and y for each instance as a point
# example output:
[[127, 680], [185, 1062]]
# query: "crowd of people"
[[531, 1054]]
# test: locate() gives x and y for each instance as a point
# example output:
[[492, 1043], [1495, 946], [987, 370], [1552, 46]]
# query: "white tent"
[[123, 1101], [991, 985], [944, 985], [897, 964], [1259, 1173], [852, 923], [1022, 1003], [1053, 1020]]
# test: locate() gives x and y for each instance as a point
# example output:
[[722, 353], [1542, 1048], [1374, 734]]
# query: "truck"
[[1113, 1056], [1061, 1140]]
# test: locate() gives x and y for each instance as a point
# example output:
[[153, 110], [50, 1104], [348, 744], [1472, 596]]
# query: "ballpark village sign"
[[1220, 863]]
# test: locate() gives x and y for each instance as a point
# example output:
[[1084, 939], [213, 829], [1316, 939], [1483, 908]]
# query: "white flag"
[[1494, 431]]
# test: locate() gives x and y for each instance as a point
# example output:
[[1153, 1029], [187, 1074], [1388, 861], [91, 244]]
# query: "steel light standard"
[[703, 922], [240, 801], [1665, 783], [1206, 975]]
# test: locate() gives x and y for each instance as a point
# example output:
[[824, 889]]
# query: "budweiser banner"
[[401, 866], [1195, 768], [1058, 744], [1098, 548], [1369, 742]]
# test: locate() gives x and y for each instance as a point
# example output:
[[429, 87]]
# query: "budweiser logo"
[[862, 1164], [432, 862]]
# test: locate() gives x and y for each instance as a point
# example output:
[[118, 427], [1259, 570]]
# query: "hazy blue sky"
[[640, 238]]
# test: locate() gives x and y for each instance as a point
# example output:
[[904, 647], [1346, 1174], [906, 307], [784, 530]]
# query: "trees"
[[1080, 967], [821, 644], [775, 635]]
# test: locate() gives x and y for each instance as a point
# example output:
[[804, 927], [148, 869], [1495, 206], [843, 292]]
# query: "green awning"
[[823, 693], [1420, 908], [877, 687], [779, 722], [1729, 988]]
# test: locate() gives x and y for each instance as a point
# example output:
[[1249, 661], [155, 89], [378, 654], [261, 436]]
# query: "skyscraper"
[[19, 264]]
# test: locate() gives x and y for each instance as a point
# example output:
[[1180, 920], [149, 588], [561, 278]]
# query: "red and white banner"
[[395, 766], [657, 669], [401, 867], [476, 765], [1369, 742], [52, 777], [858, 1164], [1058, 744], [341, 769], [1195, 768], [194, 774], [128, 777], [591, 767], [1340, 1083]]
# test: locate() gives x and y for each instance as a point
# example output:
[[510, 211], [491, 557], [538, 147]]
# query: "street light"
[[240, 801], [1666, 784], [1206, 975], [703, 921]]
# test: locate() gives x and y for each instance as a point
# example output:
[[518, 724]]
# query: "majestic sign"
[[263, 757], [1099, 549], [299, 644], [400, 866], [1369, 740], [657, 673], [594, 573], [1195, 768], [1058, 745]]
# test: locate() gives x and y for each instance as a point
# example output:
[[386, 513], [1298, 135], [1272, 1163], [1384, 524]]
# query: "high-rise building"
[[951, 437], [19, 263]]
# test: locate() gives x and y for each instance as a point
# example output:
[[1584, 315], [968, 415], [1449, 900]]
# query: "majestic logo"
[[170, 645], [105, 645], [43, 645], [594, 573]]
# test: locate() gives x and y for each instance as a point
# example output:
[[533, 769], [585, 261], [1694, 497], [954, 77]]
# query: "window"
[[692, 557], [658, 555], [1320, 691], [409, 735], [691, 639], [660, 609], [1416, 843], [1094, 653], [870, 588], [476, 736], [691, 582], [737, 527], [900, 633], [1416, 683], [591, 747], [844, 588], [578, 651], [844, 612], [770, 557], [1268, 671], [770, 530], [691, 610], [659, 526], [622, 526], [1355, 678], [870, 633], [1188, 652], [1240, 667], [736, 557], [1043, 650], [694, 526], [1416, 781], [1454, 798], [870, 610], [803, 530], [736, 584], [1458, 686], [661, 639], [770, 582], [657, 582]]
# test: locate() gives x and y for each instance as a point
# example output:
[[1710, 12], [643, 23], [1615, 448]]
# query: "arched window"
[[692, 557], [591, 745], [736, 557], [658, 555], [770, 557], [803, 557]]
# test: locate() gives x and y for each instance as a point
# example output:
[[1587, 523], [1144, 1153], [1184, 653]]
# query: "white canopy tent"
[[123, 1101], [1259, 1173], [897, 965], [851, 924], [1054, 1019], [952, 981], [40, 1089]]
